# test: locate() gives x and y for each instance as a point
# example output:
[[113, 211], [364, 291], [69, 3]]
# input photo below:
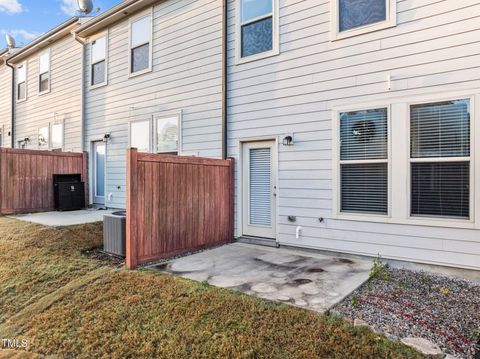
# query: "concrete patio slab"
[[61, 219], [311, 280]]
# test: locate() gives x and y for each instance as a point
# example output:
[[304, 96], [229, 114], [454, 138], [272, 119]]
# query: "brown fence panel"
[[26, 178], [176, 204]]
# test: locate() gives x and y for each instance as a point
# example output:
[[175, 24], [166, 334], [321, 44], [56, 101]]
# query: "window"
[[44, 73], [364, 161], [140, 135], [257, 32], [440, 159], [22, 82], [354, 17], [140, 45], [167, 134], [43, 138], [98, 71], [57, 137]]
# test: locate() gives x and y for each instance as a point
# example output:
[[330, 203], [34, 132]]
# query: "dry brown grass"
[[142, 314]]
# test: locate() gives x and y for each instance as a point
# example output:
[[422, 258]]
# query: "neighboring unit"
[[48, 91], [5, 101], [356, 126], [153, 80]]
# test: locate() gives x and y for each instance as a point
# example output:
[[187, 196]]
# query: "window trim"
[[40, 93], [105, 34], [470, 159], [62, 123], [24, 63], [336, 34], [148, 12], [179, 115], [338, 163], [400, 153], [150, 127], [275, 34]]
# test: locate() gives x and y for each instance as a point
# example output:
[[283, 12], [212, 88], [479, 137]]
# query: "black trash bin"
[[69, 192]]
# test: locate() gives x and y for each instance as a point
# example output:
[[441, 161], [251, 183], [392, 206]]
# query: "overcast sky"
[[26, 19]]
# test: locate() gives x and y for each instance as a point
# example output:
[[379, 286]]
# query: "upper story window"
[[355, 17], [140, 44], [258, 33], [440, 159], [44, 73], [364, 161], [22, 82], [98, 61]]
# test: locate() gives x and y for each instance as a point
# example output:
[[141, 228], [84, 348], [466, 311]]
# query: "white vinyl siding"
[[186, 76], [428, 56], [61, 104]]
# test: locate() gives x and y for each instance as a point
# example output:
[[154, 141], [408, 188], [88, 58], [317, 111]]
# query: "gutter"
[[12, 129], [224, 81], [82, 107]]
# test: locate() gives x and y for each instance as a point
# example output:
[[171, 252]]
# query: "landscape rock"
[[423, 345]]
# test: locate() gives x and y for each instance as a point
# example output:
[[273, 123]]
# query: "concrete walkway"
[[310, 280], [61, 219]]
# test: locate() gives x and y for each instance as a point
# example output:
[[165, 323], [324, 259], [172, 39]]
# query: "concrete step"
[[267, 242]]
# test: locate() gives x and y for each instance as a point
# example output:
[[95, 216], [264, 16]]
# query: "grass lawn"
[[69, 304]]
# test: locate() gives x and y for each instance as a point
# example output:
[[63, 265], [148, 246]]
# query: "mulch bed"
[[403, 303]]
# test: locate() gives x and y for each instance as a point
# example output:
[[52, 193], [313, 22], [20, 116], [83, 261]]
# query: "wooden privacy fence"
[[176, 204], [26, 178]]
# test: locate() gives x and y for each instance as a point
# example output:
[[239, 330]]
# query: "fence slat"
[[26, 178], [176, 205]]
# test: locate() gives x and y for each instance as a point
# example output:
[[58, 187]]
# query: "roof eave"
[[45, 40], [114, 15]]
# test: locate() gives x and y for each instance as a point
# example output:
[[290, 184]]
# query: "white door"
[[98, 173], [259, 189]]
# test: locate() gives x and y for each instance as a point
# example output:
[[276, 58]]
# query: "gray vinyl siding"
[[433, 48], [5, 102], [64, 101], [186, 76]]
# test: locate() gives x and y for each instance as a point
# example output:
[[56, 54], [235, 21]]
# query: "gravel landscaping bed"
[[403, 303]]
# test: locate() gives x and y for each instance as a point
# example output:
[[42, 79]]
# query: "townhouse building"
[[354, 124], [48, 91]]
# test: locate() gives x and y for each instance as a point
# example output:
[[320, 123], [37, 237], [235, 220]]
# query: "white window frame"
[[24, 64], [336, 34], [61, 123], [151, 134], [338, 163], [469, 159], [2, 144], [275, 33], [399, 162], [47, 146], [49, 72], [179, 115], [149, 13], [90, 67]]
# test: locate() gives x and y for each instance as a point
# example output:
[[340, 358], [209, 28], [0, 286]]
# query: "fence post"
[[232, 198], [131, 245]]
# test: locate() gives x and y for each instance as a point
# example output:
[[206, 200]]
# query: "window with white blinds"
[[364, 161], [260, 188], [440, 159]]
